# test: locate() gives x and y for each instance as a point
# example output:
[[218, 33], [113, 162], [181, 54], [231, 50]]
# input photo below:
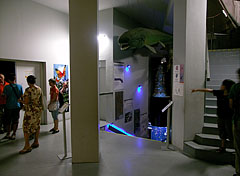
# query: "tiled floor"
[[119, 156]]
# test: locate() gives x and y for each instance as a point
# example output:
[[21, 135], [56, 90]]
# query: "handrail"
[[168, 107]]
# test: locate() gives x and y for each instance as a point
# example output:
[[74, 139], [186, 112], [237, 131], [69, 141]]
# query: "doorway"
[[22, 70]]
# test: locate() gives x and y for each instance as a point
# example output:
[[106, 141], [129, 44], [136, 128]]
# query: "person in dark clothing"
[[224, 113], [234, 102], [13, 93], [3, 83]]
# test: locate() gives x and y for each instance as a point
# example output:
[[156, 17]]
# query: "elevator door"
[[23, 70]]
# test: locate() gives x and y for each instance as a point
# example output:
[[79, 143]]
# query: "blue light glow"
[[159, 133], [139, 89], [127, 68], [119, 129]]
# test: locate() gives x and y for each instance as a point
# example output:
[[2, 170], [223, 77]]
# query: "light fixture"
[[163, 60], [224, 12], [127, 68], [139, 89], [103, 41]]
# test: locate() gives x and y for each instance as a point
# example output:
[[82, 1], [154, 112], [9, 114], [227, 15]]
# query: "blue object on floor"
[[159, 133]]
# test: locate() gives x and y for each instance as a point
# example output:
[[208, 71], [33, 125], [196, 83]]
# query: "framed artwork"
[[62, 79]]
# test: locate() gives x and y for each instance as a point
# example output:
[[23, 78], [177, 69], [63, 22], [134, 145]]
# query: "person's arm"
[[203, 90]]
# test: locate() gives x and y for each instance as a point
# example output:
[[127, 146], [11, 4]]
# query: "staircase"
[[205, 144], [223, 65]]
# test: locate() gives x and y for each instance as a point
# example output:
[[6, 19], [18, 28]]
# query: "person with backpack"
[[234, 102], [13, 93], [53, 104], [224, 113]]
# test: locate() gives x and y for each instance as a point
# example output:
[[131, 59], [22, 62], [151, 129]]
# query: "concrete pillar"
[[84, 80], [189, 50]]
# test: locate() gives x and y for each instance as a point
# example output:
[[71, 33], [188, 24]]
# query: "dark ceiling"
[[158, 14], [216, 20]]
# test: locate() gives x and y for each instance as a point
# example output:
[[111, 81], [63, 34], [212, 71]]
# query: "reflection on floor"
[[119, 156]]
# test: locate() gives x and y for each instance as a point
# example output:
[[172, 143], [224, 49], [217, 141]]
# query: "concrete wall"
[[189, 50], [223, 65], [138, 74], [84, 84], [106, 100], [105, 26], [33, 32]]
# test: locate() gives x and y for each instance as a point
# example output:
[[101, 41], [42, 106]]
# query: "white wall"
[[138, 74], [32, 32], [106, 100], [113, 24], [105, 26]]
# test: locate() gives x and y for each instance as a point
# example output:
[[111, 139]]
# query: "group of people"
[[228, 113], [12, 100]]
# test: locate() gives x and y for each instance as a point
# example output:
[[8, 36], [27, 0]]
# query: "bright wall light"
[[103, 42], [127, 68], [139, 89], [224, 12]]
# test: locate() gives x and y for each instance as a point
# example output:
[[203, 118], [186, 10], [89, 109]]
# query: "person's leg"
[[26, 139], [236, 135], [55, 118], [36, 142], [15, 115], [27, 148], [229, 131], [1, 119], [222, 134], [55, 125], [8, 121]]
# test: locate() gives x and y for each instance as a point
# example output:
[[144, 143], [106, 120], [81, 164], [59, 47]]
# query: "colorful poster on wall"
[[176, 74], [181, 73], [62, 79], [178, 80]]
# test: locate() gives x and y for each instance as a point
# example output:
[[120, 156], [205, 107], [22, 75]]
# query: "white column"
[[189, 50], [84, 80]]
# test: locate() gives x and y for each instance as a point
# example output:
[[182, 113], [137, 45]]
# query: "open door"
[[23, 70]]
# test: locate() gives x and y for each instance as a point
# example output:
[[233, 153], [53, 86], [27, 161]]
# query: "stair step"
[[211, 101], [211, 115], [210, 118], [211, 109], [210, 140], [210, 128], [208, 153]]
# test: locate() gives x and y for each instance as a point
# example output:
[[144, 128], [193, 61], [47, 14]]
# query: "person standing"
[[234, 102], [224, 112], [33, 106], [13, 93], [3, 83], [53, 104]]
